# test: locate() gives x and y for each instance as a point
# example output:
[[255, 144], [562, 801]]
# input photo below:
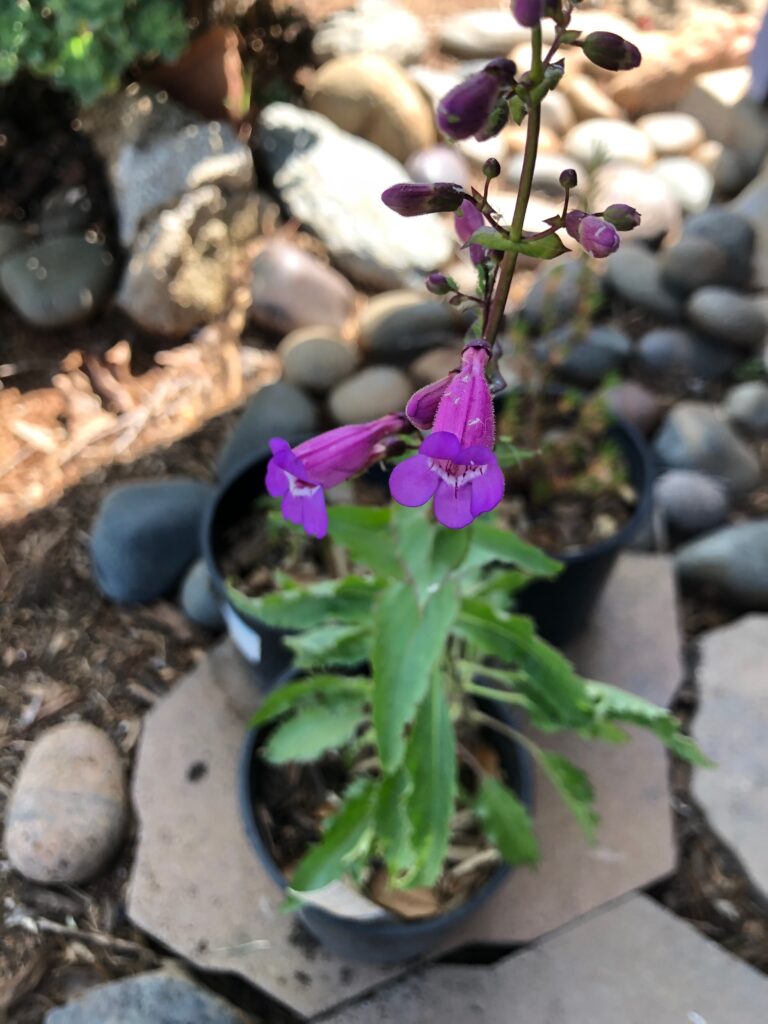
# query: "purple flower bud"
[[573, 221], [598, 238], [610, 51], [496, 120], [569, 179], [438, 284], [465, 109], [527, 12], [623, 217], [415, 200], [491, 168]]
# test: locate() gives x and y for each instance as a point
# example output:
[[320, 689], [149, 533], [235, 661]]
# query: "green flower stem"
[[509, 263], [490, 693]]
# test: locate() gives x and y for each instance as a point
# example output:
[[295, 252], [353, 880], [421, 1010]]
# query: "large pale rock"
[[373, 98], [601, 139], [332, 181], [732, 562], [650, 194], [482, 33], [156, 150], [371, 26], [731, 725], [68, 809], [672, 133], [697, 436]]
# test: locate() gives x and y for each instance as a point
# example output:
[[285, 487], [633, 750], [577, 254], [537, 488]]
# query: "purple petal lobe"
[[412, 483], [441, 445], [487, 490], [315, 518], [277, 481], [453, 505]]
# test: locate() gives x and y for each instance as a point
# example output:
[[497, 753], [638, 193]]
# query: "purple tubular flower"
[[611, 51], [301, 475], [455, 464], [527, 12], [622, 216], [597, 237], [414, 200], [573, 221], [423, 404], [476, 106], [466, 221]]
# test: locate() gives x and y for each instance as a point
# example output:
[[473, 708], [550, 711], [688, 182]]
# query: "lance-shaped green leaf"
[[612, 704], [331, 646], [449, 551], [492, 544], [413, 535], [507, 822], [408, 642], [348, 834], [546, 248], [297, 607], [431, 763], [364, 532], [574, 787], [315, 688], [394, 831], [315, 728]]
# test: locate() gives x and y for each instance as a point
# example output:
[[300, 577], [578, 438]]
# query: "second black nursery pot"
[[387, 939], [562, 606], [258, 643]]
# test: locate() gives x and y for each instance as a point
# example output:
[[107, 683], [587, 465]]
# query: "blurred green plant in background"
[[84, 46]]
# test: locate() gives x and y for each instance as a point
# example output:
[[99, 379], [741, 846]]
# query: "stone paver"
[[199, 889], [160, 997], [731, 725], [635, 963]]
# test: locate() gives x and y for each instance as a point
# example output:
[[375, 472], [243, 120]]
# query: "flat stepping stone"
[[633, 963], [199, 889], [731, 726], [164, 997]]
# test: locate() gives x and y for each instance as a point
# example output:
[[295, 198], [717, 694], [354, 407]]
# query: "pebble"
[[587, 99], [332, 182], [733, 561], [672, 133], [144, 536], [557, 113], [372, 26], [693, 263], [691, 502], [156, 997], [546, 175], [635, 274], [697, 436], [396, 326], [603, 138], [434, 365], [621, 182], [372, 97], [439, 163], [65, 211], [681, 353], [12, 237], [632, 402], [68, 810], [316, 358], [562, 292], [371, 393], [747, 407], [58, 282], [727, 317], [690, 183], [732, 233], [482, 33], [291, 288], [277, 410], [199, 600], [586, 360]]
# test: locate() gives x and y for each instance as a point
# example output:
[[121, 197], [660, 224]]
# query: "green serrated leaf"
[[413, 535], [507, 822], [612, 704], [574, 787], [493, 544], [431, 763], [297, 607], [331, 646], [313, 729], [393, 826], [346, 834], [316, 688], [364, 532], [408, 642]]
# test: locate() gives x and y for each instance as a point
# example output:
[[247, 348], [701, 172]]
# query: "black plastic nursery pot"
[[387, 939], [258, 643], [561, 607]]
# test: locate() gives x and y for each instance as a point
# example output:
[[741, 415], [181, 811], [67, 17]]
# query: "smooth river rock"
[[732, 561], [693, 263], [317, 358], [727, 317], [398, 326], [371, 393], [691, 502], [68, 810], [635, 274], [698, 436], [747, 407]]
